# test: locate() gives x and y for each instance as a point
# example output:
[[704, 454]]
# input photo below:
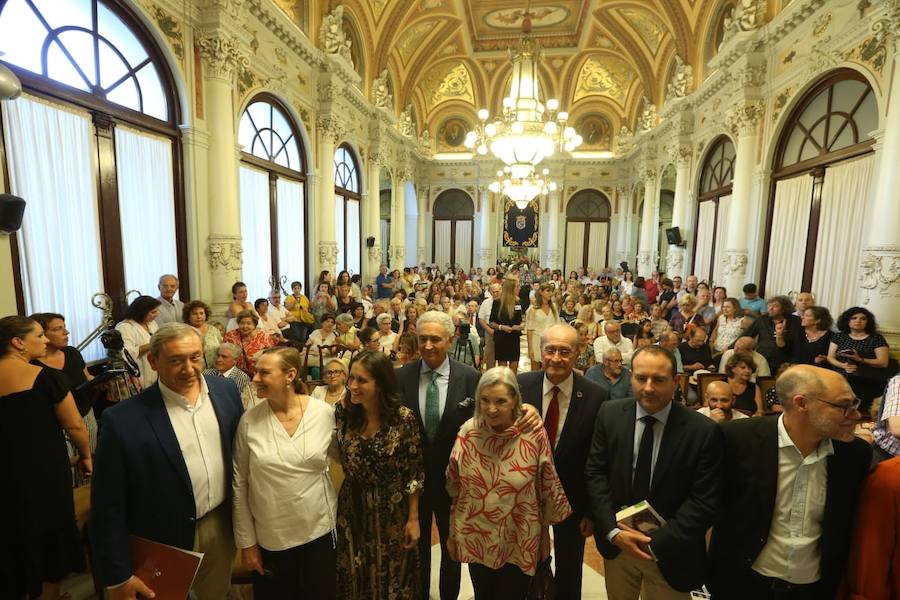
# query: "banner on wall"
[[520, 225]]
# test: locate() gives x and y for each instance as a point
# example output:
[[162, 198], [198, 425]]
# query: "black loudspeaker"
[[673, 235], [11, 210], [370, 241]]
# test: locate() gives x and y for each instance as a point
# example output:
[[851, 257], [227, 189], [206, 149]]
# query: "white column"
[[649, 221], [330, 132], [422, 202], [675, 261], [487, 239], [744, 120], [221, 55], [372, 210], [551, 247], [398, 220], [879, 273]]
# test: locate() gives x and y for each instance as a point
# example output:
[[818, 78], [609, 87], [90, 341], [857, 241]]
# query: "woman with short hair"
[[346, 335], [250, 339], [136, 328], [196, 314], [747, 398], [505, 492], [811, 347], [686, 314], [386, 337]]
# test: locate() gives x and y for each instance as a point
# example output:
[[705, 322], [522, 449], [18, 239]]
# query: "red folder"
[[167, 570]]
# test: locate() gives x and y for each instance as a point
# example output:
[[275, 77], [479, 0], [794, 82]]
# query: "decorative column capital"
[[328, 253], [879, 272], [734, 264], [403, 174], [887, 28], [225, 253], [675, 261], [681, 155], [374, 253], [221, 54], [397, 253], [647, 174], [331, 128], [379, 157], [744, 117]]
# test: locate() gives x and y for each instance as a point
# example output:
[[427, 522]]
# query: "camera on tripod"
[[112, 340]]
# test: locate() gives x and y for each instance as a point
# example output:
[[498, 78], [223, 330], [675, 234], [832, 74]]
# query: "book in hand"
[[641, 517], [167, 570]]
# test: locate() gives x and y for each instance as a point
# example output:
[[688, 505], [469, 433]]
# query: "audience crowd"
[[319, 438]]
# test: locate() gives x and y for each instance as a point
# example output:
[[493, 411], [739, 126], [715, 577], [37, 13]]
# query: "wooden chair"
[[765, 383], [684, 385], [703, 380]]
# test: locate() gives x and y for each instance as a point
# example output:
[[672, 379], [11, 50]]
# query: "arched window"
[[587, 230], [93, 147], [273, 197], [347, 215], [712, 210], [820, 186], [453, 215]]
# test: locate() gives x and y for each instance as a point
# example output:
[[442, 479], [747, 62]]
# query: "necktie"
[[640, 488], [432, 407], [551, 419]]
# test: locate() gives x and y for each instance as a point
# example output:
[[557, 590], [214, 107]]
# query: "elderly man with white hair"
[[613, 338], [170, 307]]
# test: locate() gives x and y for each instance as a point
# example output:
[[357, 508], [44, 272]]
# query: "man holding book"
[[648, 448]]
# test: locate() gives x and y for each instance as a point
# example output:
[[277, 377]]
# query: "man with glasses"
[[611, 375], [568, 403], [774, 537]]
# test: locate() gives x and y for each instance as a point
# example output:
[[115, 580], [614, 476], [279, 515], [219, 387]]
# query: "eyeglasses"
[[333, 373], [846, 408], [563, 352]]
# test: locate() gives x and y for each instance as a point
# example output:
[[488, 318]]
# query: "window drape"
[[146, 208], [705, 223], [256, 234], [790, 226], [354, 239], [597, 245], [574, 246], [842, 219], [339, 231], [385, 241], [51, 166], [290, 223], [721, 241], [442, 244], [463, 258]]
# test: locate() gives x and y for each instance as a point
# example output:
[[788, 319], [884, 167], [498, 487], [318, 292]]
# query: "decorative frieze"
[[225, 253], [879, 272]]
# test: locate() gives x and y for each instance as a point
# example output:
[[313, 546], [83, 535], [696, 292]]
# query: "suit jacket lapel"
[[224, 429], [766, 466], [667, 445], [412, 392], [162, 427], [625, 461]]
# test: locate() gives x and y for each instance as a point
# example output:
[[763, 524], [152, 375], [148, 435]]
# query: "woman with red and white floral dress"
[[505, 492]]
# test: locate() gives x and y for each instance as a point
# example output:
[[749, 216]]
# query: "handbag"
[[543, 585]]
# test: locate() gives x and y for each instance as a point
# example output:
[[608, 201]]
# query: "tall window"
[[273, 197], [712, 209], [347, 211], [587, 230], [93, 148], [451, 238]]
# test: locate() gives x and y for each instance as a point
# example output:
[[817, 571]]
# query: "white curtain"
[[597, 245], [705, 224], [146, 208], [463, 258], [442, 244], [790, 225], [385, 235], [291, 231], [574, 246], [354, 241], [51, 166], [841, 224], [255, 231], [721, 241], [339, 231]]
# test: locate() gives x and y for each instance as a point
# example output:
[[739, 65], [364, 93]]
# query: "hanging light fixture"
[[528, 130], [522, 187]]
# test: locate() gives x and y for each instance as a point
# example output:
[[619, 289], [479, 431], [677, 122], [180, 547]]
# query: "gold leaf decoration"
[[448, 82], [412, 39], [606, 76], [647, 25], [170, 28], [378, 8]]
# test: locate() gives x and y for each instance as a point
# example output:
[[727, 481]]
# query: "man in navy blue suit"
[[163, 469], [568, 403]]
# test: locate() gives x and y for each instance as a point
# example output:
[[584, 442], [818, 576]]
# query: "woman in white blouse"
[[728, 326], [136, 328], [284, 501], [386, 336]]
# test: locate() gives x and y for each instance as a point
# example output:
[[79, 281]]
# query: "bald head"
[[744, 345], [807, 381], [562, 333]]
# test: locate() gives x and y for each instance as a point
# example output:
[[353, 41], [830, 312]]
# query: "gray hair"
[[161, 277], [611, 352], [380, 318], [337, 361], [795, 382], [233, 349], [346, 319], [169, 332], [499, 376], [441, 318]]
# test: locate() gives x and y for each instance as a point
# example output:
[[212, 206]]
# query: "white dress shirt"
[[484, 311], [197, 431], [603, 343], [563, 398], [443, 383], [735, 413], [134, 336], [792, 551], [283, 496]]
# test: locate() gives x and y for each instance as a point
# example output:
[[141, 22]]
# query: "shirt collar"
[[443, 369], [565, 386], [225, 374], [662, 416], [822, 451], [173, 398]]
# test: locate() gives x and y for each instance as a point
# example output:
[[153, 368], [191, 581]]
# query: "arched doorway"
[[821, 173], [452, 217], [714, 200], [587, 230]]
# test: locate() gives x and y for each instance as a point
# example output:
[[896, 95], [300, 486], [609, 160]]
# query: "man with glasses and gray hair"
[[568, 403], [774, 537]]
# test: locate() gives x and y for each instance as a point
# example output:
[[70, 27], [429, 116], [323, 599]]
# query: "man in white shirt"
[[484, 317], [170, 308], [720, 403], [747, 345], [613, 339], [774, 538]]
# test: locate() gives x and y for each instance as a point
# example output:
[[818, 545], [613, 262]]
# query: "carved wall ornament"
[[649, 118], [398, 254], [744, 117], [405, 124], [328, 253], [743, 17], [879, 272], [426, 144], [681, 154], [232, 8], [452, 82], [381, 92], [332, 36], [225, 253], [278, 81], [374, 253], [170, 28], [624, 140], [888, 27], [822, 57], [221, 54], [682, 80], [753, 76], [332, 127], [647, 173], [675, 260], [734, 264], [643, 261]]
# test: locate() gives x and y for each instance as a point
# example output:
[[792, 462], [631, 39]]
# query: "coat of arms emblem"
[[520, 222]]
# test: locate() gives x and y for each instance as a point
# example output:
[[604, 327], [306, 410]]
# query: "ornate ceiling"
[[448, 58]]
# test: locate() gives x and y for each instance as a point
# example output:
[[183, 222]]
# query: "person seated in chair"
[[720, 403]]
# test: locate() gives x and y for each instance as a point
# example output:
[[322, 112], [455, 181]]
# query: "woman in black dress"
[[506, 319], [813, 339], [39, 542], [861, 354]]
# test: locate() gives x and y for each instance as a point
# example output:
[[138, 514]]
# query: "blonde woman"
[[591, 327], [506, 321], [539, 316]]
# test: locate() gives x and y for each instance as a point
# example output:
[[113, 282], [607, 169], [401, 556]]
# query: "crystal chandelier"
[[522, 188], [528, 130]]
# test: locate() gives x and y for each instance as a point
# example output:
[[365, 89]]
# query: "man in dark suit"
[[650, 448], [791, 485], [441, 392], [163, 469], [568, 403]]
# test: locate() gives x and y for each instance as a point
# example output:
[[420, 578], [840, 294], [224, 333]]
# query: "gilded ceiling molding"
[[607, 76], [647, 25]]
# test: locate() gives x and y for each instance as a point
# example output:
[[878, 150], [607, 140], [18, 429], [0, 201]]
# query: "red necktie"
[[551, 419]]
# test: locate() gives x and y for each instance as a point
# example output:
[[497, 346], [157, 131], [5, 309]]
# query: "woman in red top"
[[252, 341]]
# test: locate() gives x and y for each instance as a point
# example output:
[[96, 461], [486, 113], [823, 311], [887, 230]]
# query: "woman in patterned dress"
[[378, 505]]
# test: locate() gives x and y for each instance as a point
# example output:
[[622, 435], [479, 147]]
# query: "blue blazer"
[[141, 484]]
